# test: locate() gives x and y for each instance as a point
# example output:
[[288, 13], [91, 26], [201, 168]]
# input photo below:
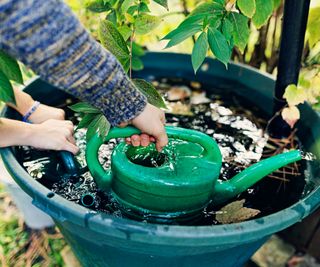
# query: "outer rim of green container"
[[155, 233]]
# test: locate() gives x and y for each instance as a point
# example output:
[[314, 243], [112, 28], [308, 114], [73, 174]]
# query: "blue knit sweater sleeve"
[[46, 36]]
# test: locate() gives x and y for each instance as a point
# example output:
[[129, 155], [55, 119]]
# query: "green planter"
[[102, 240]]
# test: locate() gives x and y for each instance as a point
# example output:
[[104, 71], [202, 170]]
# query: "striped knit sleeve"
[[47, 37]]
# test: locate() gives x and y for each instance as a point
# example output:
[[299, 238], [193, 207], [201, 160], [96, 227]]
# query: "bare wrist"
[[23, 101]]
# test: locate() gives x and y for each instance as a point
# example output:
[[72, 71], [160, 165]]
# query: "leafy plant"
[[9, 71], [123, 21], [220, 26]]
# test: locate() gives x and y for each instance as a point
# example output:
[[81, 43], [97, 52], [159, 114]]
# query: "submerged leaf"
[[153, 96], [235, 212]]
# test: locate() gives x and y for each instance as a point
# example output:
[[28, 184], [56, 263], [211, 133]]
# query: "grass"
[[21, 246]]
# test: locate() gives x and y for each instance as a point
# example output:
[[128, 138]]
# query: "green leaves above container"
[[97, 6], [145, 23], [153, 96], [226, 25], [9, 71]]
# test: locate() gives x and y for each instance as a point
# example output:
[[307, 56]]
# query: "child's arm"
[[47, 36], [43, 112], [52, 134]]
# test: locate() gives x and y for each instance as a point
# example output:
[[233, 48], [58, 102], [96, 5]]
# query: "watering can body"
[[182, 184]]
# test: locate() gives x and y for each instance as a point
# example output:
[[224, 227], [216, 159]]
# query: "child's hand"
[[52, 135], [151, 123], [44, 113]]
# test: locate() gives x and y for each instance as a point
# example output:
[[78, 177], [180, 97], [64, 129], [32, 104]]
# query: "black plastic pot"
[[102, 240]]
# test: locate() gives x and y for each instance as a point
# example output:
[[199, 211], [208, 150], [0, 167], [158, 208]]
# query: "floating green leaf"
[[264, 10], [247, 7], [10, 67], [146, 23], [6, 90], [235, 212], [219, 45], [241, 29], [112, 39], [163, 3], [153, 96], [97, 6], [83, 107], [199, 51]]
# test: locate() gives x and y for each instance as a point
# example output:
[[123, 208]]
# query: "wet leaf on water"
[[235, 212]]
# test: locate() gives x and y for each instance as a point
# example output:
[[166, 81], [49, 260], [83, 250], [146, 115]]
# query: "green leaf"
[[313, 33], [247, 7], [10, 67], [126, 4], [93, 127], [145, 23], [131, 10], [86, 120], [153, 96], [264, 10], [103, 126], [112, 39], [276, 4], [125, 32], [6, 90], [83, 107], [189, 22], [163, 3], [143, 8], [241, 29], [112, 16], [227, 29], [212, 8], [97, 6], [199, 51], [137, 50], [219, 45], [137, 64]]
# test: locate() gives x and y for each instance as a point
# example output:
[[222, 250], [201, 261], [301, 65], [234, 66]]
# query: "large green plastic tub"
[[102, 240]]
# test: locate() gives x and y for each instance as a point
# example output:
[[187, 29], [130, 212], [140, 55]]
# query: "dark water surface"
[[237, 128]]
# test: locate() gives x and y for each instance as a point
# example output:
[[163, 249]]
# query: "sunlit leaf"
[[93, 127], [10, 67], [146, 23], [199, 51], [153, 96], [295, 95], [125, 32], [264, 10], [126, 4], [86, 120], [6, 90], [137, 64], [313, 33], [137, 50], [247, 7], [210, 8]]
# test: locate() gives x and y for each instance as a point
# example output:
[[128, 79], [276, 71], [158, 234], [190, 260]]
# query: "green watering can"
[[184, 180]]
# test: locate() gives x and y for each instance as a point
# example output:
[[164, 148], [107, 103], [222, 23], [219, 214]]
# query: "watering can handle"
[[104, 177], [69, 162]]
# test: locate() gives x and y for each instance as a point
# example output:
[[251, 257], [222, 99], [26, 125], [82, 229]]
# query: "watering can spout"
[[242, 181]]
